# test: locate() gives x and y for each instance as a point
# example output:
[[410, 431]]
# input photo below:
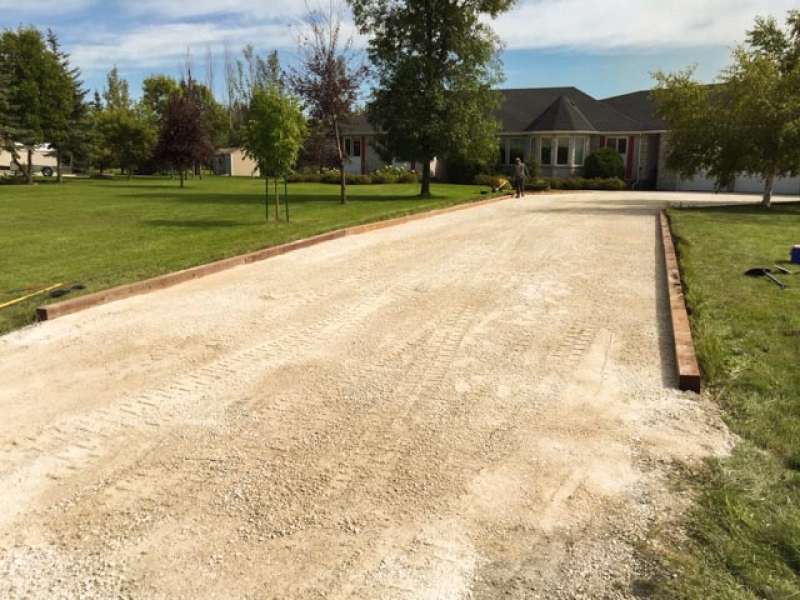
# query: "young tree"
[[274, 134], [328, 78], [748, 122], [437, 62], [183, 141]]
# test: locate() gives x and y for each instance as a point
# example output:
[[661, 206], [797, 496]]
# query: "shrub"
[[465, 171], [484, 179], [604, 163], [408, 177], [538, 185]]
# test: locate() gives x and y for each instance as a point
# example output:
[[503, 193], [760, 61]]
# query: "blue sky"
[[604, 47]]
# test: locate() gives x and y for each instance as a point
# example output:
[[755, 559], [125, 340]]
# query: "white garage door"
[[747, 184], [698, 183]]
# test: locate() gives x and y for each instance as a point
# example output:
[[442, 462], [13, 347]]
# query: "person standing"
[[520, 176]]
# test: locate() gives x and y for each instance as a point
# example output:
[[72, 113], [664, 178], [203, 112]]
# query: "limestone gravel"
[[477, 405]]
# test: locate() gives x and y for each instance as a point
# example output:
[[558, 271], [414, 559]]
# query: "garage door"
[[698, 183], [747, 184]]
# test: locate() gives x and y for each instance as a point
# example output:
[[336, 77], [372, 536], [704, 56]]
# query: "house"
[[561, 126], [233, 162], [363, 158]]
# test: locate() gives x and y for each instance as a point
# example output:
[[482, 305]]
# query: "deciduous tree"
[[328, 78], [183, 140], [436, 62], [749, 122], [275, 132]]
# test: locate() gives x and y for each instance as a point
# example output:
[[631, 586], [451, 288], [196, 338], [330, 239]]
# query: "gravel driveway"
[[477, 405]]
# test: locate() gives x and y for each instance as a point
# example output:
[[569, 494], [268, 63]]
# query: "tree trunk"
[[277, 201], [342, 178], [180, 174], [342, 183], [30, 167], [425, 190], [766, 199], [58, 166]]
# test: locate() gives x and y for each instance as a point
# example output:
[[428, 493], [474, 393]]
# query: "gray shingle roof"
[[640, 106], [560, 109]]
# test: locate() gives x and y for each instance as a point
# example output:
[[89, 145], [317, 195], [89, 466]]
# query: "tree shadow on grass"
[[255, 199], [196, 224]]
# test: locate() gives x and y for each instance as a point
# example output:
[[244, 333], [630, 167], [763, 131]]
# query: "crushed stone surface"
[[481, 404]]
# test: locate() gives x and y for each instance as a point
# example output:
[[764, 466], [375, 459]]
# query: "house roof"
[[560, 109], [357, 124], [640, 106]]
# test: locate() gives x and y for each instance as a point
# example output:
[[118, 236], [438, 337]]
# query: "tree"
[[275, 133], [156, 93], [183, 140], [69, 131], [437, 62], [750, 121], [117, 92], [127, 136], [328, 78], [40, 93]]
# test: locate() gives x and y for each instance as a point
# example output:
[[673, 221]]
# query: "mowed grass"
[[744, 536], [103, 233]]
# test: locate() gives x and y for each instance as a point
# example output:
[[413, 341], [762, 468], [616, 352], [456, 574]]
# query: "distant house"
[[561, 126], [234, 163], [362, 158]]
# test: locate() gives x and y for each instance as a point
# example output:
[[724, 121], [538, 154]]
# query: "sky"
[[603, 47]]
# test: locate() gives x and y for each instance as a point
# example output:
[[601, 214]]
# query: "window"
[[516, 149], [562, 154], [352, 147], [580, 151], [620, 144], [546, 153]]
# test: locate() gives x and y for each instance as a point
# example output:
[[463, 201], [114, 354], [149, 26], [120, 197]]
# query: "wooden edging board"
[[66, 307], [685, 356]]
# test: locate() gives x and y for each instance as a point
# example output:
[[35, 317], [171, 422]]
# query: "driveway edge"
[[66, 307], [685, 356]]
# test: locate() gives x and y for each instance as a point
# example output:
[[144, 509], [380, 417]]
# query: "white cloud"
[[24, 11], [593, 25]]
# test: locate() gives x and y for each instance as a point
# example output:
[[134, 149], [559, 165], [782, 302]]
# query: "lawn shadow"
[[197, 223]]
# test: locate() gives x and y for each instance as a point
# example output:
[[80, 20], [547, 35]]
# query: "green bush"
[[465, 171], [538, 185], [604, 163]]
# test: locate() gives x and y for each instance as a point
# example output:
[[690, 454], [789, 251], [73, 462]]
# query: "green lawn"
[[744, 535], [103, 233]]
